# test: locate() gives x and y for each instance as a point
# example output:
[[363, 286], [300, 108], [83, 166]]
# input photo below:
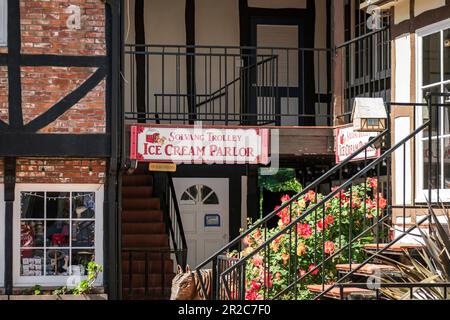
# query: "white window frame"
[[56, 281], [3, 23], [421, 193], [2, 236]]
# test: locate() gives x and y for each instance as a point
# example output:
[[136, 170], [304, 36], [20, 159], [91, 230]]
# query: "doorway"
[[204, 208]]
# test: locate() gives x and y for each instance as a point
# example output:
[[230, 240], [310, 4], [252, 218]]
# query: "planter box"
[[67, 297]]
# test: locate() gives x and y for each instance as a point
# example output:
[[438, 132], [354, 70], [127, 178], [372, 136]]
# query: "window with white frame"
[[433, 75], [2, 237], [3, 22], [57, 232]]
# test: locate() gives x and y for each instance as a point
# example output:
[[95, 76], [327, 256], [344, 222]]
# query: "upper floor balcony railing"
[[220, 85], [365, 63]]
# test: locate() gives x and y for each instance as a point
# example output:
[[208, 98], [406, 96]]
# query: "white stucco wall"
[[402, 69]]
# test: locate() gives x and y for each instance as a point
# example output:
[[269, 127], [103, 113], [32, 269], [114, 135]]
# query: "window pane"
[[32, 234], [58, 205], [447, 54], [83, 205], [57, 262], [205, 191], [434, 181], [83, 234], [425, 112], [57, 234], [431, 59], [212, 199], [32, 205], [80, 260], [31, 263]]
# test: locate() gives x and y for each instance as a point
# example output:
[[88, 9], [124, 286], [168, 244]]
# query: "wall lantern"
[[369, 115]]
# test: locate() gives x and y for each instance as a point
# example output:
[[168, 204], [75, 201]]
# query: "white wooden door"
[[204, 204]]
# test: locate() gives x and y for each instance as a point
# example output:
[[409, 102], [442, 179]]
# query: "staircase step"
[[153, 280], [155, 293], [137, 192], [140, 255], [368, 269], [154, 266], [396, 248], [141, 204], [335, 293], [137, 180], [141, 216], [145, 240], [143, 228]]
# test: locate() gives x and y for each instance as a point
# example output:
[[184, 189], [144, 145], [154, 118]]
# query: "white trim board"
[[21, 281]]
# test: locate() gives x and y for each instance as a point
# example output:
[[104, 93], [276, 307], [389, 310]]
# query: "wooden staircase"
[[362, 275], [147, 268]]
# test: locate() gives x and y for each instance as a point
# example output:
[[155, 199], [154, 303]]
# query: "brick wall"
[[42, 87], [89, 171], [44, 31], [44, 27]]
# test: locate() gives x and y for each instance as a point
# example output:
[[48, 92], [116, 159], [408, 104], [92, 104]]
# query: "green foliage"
[[35, 290], [84, 286], [319, 235]]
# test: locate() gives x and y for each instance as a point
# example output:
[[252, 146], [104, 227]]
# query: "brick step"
[[348, 293], [145, 240], [368, 269], [153, 280], [143, 228], [154, 266], [141, 204], [155, 293], [396, 248], [137, 192], [137, 180], [140, 216], [150, 256]]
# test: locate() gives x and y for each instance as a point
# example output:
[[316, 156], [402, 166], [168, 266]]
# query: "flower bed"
[[319, 235]]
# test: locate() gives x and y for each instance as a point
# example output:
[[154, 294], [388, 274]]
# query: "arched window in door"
[[199, 194]]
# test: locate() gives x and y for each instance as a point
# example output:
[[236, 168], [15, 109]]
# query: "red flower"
[[310, 196], [329, 247], [373, 183], [304, 230], [255, 285], [382, 202], [319, 225], [252, 295], [257, 261], [329, 220], [312, 266], [285, 198]]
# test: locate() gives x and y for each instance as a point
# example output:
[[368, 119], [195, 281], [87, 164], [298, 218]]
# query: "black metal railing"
[[353, 230], [165, 189], [226, 85], [366, 69]]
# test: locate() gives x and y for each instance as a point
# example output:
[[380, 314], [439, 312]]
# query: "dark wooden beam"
[[22, 144], [14, 62], [48, 60], [190, 58], [9, 195], [141, 85]]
